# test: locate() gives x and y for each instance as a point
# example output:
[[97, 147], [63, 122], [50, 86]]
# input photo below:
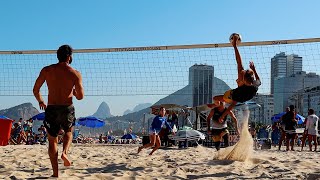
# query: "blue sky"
[[33, 25]]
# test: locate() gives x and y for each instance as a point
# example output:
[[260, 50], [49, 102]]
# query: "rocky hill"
[[103, 111], [180, 97], [137, 108], [25, 111]]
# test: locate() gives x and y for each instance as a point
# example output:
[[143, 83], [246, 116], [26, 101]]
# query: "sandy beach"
[[123, 162]]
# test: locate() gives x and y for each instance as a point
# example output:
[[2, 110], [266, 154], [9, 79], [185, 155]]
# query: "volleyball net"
[[157, 70]]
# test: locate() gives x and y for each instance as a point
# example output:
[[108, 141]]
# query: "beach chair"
[[76, 133]]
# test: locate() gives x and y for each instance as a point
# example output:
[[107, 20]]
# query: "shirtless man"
[[248, 82], [63, 83]]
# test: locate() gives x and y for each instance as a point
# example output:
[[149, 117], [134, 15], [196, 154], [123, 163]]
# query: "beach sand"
[[122, 162]]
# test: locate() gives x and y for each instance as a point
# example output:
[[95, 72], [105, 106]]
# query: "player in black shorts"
[[59, 117], [63, 83], [220, 130]]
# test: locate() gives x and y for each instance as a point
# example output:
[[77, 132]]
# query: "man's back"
[[289, 122], [60, 78]]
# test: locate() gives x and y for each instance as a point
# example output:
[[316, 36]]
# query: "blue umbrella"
[[277, 117], [76, 124], [111, 137], [39, 117], [91, 121], [300, 119], [129, 136], [4, 117]]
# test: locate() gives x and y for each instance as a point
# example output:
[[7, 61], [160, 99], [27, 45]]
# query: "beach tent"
[[5, 130], [129, 136]]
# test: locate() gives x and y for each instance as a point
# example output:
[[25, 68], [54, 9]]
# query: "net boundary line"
[[173, 47]]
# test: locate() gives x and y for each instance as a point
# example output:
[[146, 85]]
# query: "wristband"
[[41, 102]]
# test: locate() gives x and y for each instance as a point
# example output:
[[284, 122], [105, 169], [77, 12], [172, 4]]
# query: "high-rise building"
[[264, 113], [305, 99], [286, 87], [283, 65], [201, 81]]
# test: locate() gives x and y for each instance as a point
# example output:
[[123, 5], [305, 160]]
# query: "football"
[[235, 36]]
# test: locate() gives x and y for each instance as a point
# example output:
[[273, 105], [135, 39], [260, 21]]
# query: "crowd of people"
[[288, 132], [23, 133]]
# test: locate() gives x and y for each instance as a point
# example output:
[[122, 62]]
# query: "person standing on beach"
[[219, 130], [312, 129], [156, 126], [63, 83], [290, 123], [282, 128]]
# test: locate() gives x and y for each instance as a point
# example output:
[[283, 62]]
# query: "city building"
[[201, 82], [264, 113], [305, 99], [283, 65], [286, 87]]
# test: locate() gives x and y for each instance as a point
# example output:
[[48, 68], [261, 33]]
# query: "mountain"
[[183, 96], [127, 112], [103, 111], [25, 111], [137, 108], [180, 97], [141, 106]]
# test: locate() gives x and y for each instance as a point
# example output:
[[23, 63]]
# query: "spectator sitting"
[[263, 134], [101, 140], [17, 135], [41, 137]]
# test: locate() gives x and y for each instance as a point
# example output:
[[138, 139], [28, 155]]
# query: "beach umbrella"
[[77, 124], [91, 121], [167, 106], [4, 117], [110, 137], [300, 119], [200, 108], [39, 117], [188, 134], [129, 136], [277, 117]]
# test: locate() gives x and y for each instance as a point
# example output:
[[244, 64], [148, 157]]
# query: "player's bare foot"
[[66, 161]]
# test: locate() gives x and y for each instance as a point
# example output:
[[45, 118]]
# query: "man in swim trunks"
[[219, 130], [248, 82], [63, 83]]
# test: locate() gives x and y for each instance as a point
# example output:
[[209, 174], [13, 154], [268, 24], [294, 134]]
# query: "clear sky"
[[34, 25]]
